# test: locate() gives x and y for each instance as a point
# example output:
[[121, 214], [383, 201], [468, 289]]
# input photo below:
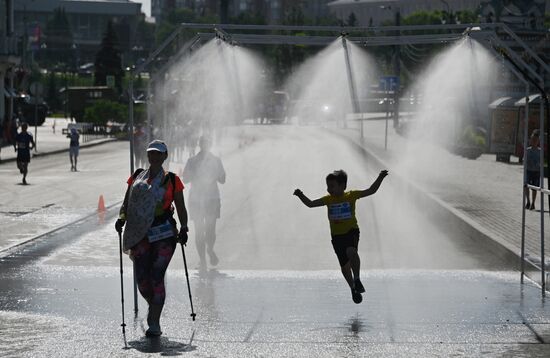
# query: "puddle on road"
[[22, 333], [97, 248]]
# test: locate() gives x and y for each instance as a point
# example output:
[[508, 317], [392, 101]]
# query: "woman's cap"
[[157, 145]]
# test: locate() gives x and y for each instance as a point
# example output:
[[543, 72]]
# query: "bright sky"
[[145, 6]]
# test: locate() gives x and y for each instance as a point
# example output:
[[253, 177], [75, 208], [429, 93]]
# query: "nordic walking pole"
[[193, 315], [121, 282]]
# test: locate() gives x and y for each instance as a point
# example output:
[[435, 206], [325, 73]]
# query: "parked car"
[[28, 108], [274, 108]]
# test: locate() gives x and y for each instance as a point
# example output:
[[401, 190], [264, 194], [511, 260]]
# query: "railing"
[[540, 189], [90, 132]]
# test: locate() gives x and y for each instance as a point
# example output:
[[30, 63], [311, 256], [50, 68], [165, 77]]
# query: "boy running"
[[343, 224]]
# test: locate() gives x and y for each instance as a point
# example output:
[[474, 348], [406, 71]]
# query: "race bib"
[[339, 211], [160, 232]]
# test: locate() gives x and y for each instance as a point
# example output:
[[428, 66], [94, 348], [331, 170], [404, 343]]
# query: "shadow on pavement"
[[161, 345]]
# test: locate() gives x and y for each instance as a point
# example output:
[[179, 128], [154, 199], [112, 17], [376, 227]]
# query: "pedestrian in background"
[[204, 171], [74, 147], [24, 142], [532, 169], [150, 235]]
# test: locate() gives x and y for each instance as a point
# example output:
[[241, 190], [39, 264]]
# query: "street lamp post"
[[397, 69], [396, 65], [449, 12]]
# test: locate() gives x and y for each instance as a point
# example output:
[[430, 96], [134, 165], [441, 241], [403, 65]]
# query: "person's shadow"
[[162, 345]]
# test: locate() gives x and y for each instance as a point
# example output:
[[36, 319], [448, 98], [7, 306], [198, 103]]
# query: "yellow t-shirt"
[[341, 212]]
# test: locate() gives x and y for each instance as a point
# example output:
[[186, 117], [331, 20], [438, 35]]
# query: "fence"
[[89, 131]]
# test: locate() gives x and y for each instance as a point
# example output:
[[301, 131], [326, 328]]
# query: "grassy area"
[[57, 115]]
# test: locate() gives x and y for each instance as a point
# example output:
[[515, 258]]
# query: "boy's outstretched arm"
[[307, 202], [374, 187]]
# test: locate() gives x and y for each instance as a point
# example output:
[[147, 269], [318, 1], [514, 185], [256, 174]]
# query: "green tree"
[[467, 17], [52, 95], [144, 39], [248, 18], [59, 40], [352, 19], [224, 11], [103, 111], [108, 61]]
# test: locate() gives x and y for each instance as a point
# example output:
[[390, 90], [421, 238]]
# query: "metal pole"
[[164, 104], [351, 83], [542, 143], [35, 123], [397, 69], [525, 139], [131, 120], [10, 110], [237, 86], [149, 110], [131, 133], [387, 114]]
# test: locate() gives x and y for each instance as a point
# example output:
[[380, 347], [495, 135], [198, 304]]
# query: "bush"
[[471, 138], [103, 111]]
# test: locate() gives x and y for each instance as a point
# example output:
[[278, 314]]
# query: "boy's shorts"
[[73, 151], [340, 243]]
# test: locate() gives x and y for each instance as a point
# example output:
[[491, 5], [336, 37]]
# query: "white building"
[[8, 58]]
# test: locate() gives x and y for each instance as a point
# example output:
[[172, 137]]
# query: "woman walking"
[[150, 234]]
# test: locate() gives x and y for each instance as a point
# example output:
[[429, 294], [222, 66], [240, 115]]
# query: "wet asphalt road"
[[277, 290]]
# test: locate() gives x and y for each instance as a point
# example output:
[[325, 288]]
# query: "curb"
[[64, 150], [21, 245], [457, 221]]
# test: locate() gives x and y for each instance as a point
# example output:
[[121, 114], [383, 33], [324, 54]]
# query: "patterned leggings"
[[151, 261]]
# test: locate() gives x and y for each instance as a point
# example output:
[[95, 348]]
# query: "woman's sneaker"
[[356, 296], [153, 331], [359, 286]]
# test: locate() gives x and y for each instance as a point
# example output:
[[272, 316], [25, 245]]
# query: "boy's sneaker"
[[356, 296], [359, 286], [153, 331]]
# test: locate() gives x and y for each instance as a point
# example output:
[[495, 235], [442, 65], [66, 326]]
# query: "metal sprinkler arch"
[[324, 35], [497, 37]]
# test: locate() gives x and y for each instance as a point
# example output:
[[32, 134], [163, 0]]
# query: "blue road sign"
[[389, 83]]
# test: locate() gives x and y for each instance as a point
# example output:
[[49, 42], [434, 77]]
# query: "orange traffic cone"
[[101, 204]]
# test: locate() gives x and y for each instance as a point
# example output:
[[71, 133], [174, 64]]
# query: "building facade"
[[376, 12], [9, 59], [526, 14], [273, 11], [87, 19]]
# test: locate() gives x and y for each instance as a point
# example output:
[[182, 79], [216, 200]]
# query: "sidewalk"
[[49, 142], [484, 193]]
